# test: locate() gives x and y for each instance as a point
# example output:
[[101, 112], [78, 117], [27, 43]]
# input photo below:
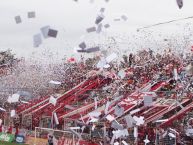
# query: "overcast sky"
[[71, 19]]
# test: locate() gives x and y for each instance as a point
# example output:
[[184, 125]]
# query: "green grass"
[[8, 143]]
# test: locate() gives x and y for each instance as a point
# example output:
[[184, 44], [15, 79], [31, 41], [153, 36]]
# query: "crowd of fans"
[[139, 68], [148, 66]]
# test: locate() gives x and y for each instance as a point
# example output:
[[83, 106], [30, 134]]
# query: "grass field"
[[7, 143]]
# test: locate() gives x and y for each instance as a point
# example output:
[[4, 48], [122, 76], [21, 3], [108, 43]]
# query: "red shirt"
[[10, 129]]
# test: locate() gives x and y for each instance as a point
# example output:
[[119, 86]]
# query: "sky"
[[72, 18]]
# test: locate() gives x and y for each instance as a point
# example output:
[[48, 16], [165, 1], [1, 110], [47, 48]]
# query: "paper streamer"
[[107, 107], [95, 102], [175, 74], [135, 132], [56, 118]]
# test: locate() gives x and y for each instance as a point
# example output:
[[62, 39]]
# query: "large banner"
[[69, 141], [6, 137], [39, 141], [61, 141]]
